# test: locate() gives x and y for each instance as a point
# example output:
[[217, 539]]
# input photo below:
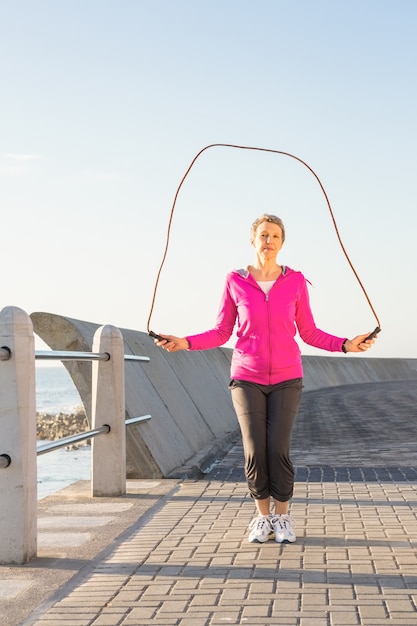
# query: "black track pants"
[[266, 415]]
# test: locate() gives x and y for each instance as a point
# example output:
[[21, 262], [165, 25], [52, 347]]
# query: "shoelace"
[[260, 523], [282, 520]]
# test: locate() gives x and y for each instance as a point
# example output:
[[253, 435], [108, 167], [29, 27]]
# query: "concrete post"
[[108, 462], [18, 481]]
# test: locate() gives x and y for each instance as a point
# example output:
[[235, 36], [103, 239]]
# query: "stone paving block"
[[225, 617], [147, 621], [142, 612], [317, 577], [125, 596], [194, 621], [344, 618], [172, 606], [362, 568], [157, 589], [373, 610], [256, 588], [287, 605], [233, 595], [258, 610], [204, 600], [407, 621], [314, 598], [112, 619], [185, 585], [405, 604]]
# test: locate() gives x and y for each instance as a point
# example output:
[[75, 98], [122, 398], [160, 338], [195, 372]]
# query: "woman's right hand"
[[172, 343]]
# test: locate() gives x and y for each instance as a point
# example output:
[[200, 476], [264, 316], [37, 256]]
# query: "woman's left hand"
[[358, 343]]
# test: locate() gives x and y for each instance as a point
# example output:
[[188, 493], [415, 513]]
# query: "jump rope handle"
[[373, 334], [155, 336]]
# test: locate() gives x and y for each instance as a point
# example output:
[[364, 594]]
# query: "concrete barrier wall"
[[330, 371], [187, 393]]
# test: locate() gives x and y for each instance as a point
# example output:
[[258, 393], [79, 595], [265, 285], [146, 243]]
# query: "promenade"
[[175, 552]]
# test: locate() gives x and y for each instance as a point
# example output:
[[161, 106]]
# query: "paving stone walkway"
[[186, 560]]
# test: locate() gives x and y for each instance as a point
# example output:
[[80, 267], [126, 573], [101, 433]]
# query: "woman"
[[269, 302]]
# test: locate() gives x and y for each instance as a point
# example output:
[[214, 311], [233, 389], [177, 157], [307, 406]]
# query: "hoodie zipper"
[[266, 295], [268, 316]]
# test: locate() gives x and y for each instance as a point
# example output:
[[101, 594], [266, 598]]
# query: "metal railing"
[[63, 355], [18, 485], [69, 355], [83, 436]]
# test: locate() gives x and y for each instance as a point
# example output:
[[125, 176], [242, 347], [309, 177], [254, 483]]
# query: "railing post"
[[108, 462], [18, 481]]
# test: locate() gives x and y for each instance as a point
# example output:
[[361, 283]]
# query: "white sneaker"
[[261, 529], [284, 532]]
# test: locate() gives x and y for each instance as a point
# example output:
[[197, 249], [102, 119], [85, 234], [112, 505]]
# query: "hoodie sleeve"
[[223, 327], [307, 329]]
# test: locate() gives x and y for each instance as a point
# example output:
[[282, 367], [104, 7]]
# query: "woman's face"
[[268, 240]]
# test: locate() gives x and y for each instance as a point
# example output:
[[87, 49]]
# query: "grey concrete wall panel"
[[328, 371], [187, 393], [176, 389]]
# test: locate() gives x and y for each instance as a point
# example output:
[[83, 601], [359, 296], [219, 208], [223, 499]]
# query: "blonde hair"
[[266, 217]]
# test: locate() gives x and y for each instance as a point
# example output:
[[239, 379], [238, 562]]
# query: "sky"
[[104, 104]]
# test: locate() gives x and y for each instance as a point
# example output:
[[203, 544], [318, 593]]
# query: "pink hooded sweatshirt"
[[266, 351]]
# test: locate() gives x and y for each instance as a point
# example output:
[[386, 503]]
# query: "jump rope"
[[228, 145]]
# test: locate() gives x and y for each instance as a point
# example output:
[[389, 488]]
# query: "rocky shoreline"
[[53, 427]]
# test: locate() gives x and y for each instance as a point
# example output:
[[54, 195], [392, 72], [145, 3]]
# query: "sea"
[[56, 393]]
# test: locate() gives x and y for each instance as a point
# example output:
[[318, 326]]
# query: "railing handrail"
[[134, 357], [136, 420], [66, 441], [70, 355], [88, 434]]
